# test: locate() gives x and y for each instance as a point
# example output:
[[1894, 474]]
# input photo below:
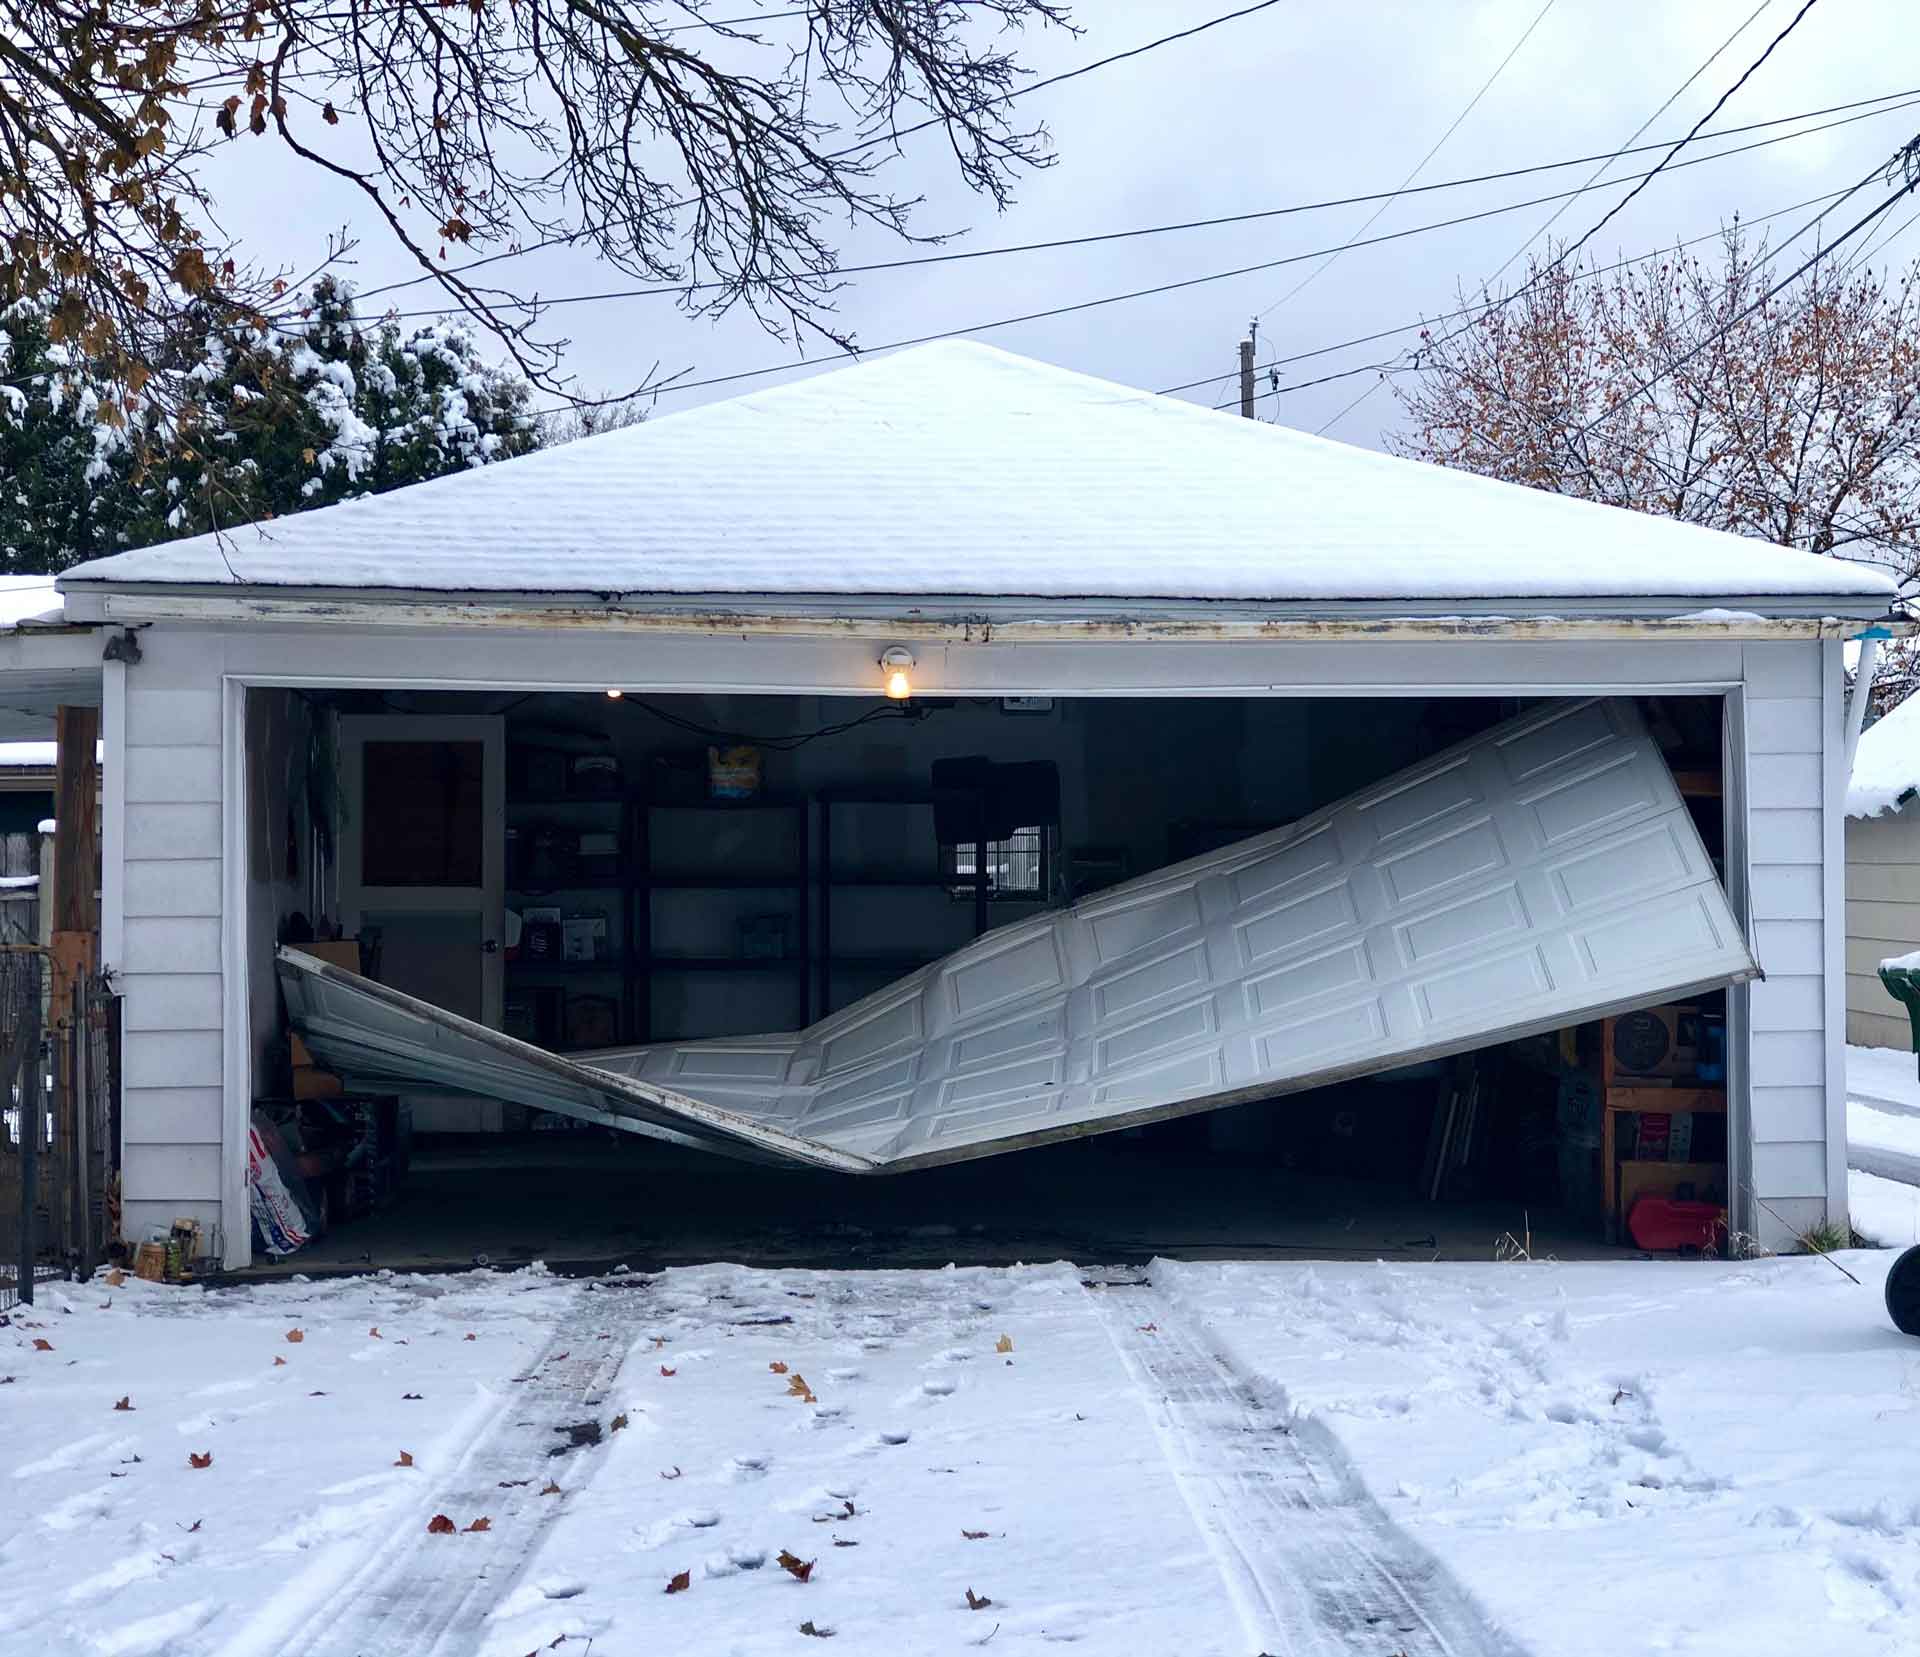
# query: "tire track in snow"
[[1314, 1565], [421, 1594]]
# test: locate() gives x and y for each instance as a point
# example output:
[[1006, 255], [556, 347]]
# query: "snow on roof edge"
[[891, 475]]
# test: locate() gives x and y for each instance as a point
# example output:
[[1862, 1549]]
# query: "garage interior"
[[586, 871]]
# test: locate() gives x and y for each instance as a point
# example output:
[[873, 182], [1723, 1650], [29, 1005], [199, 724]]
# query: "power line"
[[892, 135], [1786, 281], [1833, 200], [1420, 166], [1109, 299], [1693, 132], [1476, 310], [962, 255], [1639, 132], [1569, 251]]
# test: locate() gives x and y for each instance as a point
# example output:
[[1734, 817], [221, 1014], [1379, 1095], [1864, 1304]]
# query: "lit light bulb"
[[615, 695], [894, 664]]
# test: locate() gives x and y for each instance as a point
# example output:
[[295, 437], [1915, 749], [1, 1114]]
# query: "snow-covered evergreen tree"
[[280, 422]]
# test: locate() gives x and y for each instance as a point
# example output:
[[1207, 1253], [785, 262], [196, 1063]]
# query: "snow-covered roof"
[[1886, 764], [28, 756], [959, 469], [28, 598]]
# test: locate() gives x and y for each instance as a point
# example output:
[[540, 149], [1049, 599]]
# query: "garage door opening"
[[648, 874]]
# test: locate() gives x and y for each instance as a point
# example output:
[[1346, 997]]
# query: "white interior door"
[[423, 861]]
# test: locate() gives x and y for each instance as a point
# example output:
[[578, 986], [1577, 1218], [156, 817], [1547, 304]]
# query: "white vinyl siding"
[[1792, 718], [169, 931], [1883, 919]]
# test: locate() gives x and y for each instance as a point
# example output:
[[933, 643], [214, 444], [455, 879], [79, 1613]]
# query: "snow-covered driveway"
[[1194, 1459]]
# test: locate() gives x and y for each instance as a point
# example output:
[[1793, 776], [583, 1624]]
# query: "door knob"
[[490, 947]]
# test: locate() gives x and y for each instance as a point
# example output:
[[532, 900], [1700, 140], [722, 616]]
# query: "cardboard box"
[[336, 952]]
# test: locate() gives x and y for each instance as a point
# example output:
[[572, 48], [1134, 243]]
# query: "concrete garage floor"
[[591, 1201]]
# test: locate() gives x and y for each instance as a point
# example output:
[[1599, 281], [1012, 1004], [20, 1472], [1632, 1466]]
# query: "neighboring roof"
[[1886, 763], [28, 756], [957, 469], [29, 598]]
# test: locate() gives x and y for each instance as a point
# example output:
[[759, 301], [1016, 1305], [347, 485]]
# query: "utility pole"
[[1246, 376]]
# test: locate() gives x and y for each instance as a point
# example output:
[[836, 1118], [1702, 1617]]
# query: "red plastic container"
[[1659, 1223]]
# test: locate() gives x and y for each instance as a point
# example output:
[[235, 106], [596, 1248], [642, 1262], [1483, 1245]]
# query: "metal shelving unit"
[[650, 962], [827, 882]]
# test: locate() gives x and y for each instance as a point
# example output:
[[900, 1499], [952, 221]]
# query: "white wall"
[[1883, 919], [1798, 1126], [177, 892]]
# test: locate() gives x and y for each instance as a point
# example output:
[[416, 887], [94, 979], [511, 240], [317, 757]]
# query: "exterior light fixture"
[[615, 695], [896, 663]]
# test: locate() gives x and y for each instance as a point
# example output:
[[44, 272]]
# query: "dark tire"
[[1903, 1292]]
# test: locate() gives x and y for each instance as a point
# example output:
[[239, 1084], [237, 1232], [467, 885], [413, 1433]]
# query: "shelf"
[[566, 799], [719, 963], [742, 883], [836, 796], [608, 969], [760, 802], [564, 886]]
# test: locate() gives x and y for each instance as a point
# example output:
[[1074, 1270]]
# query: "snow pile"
[[959, 469], [1886, 764], [1883, 1144]]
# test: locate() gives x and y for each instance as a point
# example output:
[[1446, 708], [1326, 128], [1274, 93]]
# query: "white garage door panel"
[[1542, 873]]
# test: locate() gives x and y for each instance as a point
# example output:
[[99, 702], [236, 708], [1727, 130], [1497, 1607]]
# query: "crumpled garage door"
[[1543, 873]]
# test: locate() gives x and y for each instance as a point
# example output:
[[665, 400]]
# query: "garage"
[[954, 807]]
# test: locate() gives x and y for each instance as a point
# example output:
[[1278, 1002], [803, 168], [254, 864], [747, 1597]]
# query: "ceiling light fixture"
[[895, 663]]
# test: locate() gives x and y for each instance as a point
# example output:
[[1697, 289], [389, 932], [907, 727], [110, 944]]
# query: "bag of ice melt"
[[282, 1215]]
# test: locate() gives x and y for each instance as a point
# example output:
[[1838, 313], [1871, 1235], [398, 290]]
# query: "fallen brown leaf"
[[115, 1278], [316, 1395], [441, 1525], [1003, 1344], [481, 1524], [196, 1459], [296, 1336], [659, 1341], [977, 1602], [679, 1582], [777, 1367], [405, 1396], [374, 1334], [190, 1529], [974, 1535], [559, 1355], [817, 1633], [673, 1475], [406, 1459], [42, 1345], [125, 1403], [279, 1362], [1149, 1328], [845, 1542], [668, 1372], [796, 1567], [513, 1484], [618, 1422], [550, 1489], [471, 1336]]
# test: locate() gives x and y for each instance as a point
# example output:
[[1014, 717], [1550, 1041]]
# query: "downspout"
[[1863, 678]]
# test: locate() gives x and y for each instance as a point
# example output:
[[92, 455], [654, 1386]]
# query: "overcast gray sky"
[[1302, 101]]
